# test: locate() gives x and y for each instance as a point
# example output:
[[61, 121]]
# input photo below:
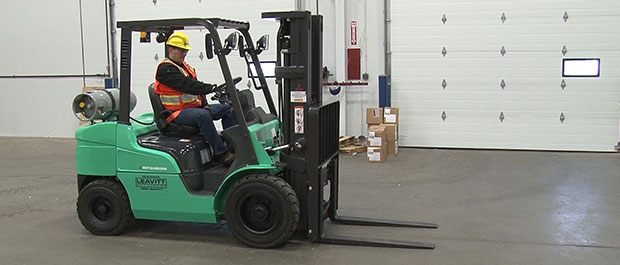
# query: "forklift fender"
[[221, 195]]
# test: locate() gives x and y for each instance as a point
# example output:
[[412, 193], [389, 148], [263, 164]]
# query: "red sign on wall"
[[353, 63], [353, 32]]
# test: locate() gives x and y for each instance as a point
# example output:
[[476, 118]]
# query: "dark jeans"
[[203, 119]]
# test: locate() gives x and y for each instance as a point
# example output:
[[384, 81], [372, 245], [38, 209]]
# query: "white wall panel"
[[40, 107], [96, 34], [45, 38], [532, 101]]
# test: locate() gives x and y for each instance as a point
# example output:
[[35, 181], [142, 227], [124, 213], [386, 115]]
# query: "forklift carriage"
[[284, 179]]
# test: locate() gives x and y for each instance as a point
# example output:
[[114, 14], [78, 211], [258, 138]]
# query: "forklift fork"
[[322, 203], [355, 241]]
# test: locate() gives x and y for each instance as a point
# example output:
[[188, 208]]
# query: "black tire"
[[103, 208], [262, 211]]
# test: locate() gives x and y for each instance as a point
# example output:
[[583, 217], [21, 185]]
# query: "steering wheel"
[[220, 88], [220, 93]]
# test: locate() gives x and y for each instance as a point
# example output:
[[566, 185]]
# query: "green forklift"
[[283, 182]]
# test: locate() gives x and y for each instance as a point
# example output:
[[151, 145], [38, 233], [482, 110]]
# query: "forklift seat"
[[251, 112], [160, 114]]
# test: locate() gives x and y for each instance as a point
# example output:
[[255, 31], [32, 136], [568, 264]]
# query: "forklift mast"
[[312, 131], [305, 120]]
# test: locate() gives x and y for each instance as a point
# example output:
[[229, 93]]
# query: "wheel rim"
[[260, 213], [102, 208]]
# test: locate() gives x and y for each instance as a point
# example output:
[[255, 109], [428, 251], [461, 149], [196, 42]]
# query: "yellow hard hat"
[[179, 39]]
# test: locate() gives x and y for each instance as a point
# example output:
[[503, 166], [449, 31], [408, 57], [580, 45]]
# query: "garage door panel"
[[511, 144], [602, 84], [429, 53], [454, 6], [486, 73], [500, 138], [573, 93], [534, 29], [512, 18], [505, 63], [516, 97], [468, 39], [608, 108], [422, 128]]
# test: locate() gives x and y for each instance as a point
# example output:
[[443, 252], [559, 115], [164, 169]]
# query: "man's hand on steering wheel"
[[220, 92], [221, 88]]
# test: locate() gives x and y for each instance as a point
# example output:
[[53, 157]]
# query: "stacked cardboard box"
[[377, 143], [382, 133], [391, 119]]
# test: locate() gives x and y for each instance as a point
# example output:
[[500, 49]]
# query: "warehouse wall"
[[48, 49], [369, 17], [51, 51]]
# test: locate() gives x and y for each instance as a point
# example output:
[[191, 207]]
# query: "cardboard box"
[[374, 116], [391, 115], [377, 135], [392, 147], [376, 154], [391, 132]]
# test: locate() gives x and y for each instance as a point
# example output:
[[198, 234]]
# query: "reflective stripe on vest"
[[173, 99]]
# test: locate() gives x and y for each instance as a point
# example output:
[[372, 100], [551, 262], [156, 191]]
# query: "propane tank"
[[100, 104]]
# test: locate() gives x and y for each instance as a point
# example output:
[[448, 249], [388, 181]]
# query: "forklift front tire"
[[103, 208], [262, 211]]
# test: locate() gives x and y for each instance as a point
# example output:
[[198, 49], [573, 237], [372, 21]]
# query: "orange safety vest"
[[175, 100]]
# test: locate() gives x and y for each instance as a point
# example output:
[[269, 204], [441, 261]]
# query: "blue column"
[[385, 91]]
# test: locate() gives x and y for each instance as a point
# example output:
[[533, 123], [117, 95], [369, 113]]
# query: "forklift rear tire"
[[262, 211], [103, 208]]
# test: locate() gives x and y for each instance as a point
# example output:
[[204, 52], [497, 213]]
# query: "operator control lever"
[[299, 144]]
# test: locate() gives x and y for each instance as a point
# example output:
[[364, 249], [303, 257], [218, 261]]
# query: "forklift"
[[283, 182]]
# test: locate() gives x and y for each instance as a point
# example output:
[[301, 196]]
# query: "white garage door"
[[482, 74]]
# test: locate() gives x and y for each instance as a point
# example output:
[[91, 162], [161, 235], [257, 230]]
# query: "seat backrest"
[[158, 107], [246, 98], [165, 128]]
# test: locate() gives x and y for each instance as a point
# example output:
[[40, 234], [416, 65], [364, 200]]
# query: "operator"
[[182, 94]]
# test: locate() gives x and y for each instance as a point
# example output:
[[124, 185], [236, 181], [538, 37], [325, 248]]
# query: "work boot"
[[225, 158], [228, 158]]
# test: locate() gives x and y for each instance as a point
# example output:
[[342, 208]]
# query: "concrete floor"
[[493, 207]]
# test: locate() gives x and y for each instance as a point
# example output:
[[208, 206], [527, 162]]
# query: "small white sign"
[[375, 141], [390, 118], [299, 119], [205, 156], [373, 156], [298, 96]]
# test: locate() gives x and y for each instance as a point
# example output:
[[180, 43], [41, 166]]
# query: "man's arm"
[[171, 76]]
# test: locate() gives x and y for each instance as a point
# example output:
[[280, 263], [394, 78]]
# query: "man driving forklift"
[[183, 96]]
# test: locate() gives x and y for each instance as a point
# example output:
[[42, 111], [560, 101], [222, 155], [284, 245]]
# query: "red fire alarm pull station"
[[353, 32]]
